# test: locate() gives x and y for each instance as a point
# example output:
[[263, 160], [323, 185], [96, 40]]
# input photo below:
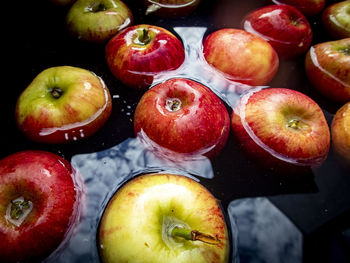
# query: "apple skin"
[[283, 26], [281, 129], [336, 19], [136, 217], [135, 63], [307, 7], [170, 8], [200, 126], [46, 180], [83, 107], [97, 21], [327, 66], [341, 133], [241, 56]]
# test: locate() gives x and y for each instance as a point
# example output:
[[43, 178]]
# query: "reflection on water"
[[265, 234]]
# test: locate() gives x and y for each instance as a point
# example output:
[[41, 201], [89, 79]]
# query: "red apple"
[[63, 104], [283, 26], [241, 56], [281, 128], [184, 116], [307, 7], [327, 66], [170, 8], [336, 19], [97, 21], [341, 133], [39, 205], [138, 53]]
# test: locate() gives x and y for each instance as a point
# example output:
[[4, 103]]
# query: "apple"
[[281, 128], [170, 8], [97, 21], [307, 7], [138, 53], [283, 26], [341, 133], [327, 66], [39, 205], [183, 116], [163, 218], [336, 19], [63, 104], [241, 56], [63, 2]]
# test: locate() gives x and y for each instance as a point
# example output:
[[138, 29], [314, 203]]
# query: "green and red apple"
[[307, 7], [157, 218], [341, 133], [183, 116], [39, 205], [241, 56], [170, 8], [139, 53], [327, 66], [336, 19], [63, 104], [281, 129], [97, 21]]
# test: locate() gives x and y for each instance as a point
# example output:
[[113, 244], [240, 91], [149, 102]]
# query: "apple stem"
[[144, 37], [194, 235]]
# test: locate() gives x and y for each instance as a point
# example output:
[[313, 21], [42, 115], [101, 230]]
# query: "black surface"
[[318, 203]]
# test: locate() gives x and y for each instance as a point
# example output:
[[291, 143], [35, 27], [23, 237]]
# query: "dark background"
[[318, 203]]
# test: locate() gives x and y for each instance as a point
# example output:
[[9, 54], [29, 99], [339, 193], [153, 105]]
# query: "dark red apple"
[[327, 66], [307, 7], [283, 26], [139, 53], [170, 8], [184, 116], [336, 19], [281, 128], [39, 204], [241, 56]]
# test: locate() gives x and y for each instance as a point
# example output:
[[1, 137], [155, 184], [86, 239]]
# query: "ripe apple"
[[184, 116], [336, 19], [140, 52], [163, 218], [341, 133], [170, 8], [241, 56], [97, 21], [39, 205], [281, 128], [327, 66], [283, 26], [307, 7], [63, 104]]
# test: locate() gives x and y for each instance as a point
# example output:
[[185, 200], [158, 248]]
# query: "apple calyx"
[[17, 210], [345, 50], [297, 124], [194, 235], [56, 92], [143, 37], [173, 104]]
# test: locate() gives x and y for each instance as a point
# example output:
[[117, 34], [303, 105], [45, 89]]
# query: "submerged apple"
[[170, 8], [281, 128], [38, 205], [336, 19], [157, 218], [63, 104], [327, 66]]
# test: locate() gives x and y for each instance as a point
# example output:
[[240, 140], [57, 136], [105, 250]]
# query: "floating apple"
[[97, 21], [283, 26], [140, 52], [170, 8], [336, 19], [241, 56], [184, 116], [307, 7], [281, 128], [163, 218], [341, 133], [38, 205], [327, 66], [63, 104]]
